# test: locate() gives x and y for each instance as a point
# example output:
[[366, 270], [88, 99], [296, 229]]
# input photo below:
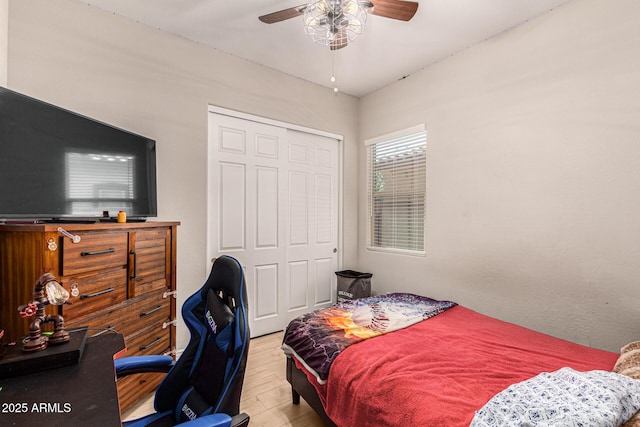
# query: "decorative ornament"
[[46, 291]]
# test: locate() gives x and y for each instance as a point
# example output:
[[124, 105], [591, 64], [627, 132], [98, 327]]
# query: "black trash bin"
[[353, 285]]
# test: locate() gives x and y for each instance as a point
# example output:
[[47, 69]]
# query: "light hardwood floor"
[[266, 394]]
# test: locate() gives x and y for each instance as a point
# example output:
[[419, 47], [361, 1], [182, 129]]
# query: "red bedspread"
[[440, 371]]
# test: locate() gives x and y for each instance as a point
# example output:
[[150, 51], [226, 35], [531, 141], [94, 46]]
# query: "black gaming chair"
[[203, 387]]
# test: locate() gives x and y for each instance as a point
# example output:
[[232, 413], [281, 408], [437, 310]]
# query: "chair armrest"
[[218, 420], [142, 364]]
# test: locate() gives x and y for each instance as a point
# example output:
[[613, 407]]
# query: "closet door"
[[273, 204], [312, 235]]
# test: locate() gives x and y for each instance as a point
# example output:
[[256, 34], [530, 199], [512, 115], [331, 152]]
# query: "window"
[[396, 175]]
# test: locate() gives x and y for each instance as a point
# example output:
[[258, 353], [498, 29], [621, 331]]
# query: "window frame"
[[389, 138]]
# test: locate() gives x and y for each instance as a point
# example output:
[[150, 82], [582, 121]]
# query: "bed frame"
[[300, 386]]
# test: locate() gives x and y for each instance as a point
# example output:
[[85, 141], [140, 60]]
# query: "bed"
[[440, 370]]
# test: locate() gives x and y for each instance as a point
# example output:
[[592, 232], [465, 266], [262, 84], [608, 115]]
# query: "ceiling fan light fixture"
[[335, 23], [351, 7]]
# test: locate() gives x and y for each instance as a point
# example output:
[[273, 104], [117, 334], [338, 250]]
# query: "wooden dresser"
[[120, 276]]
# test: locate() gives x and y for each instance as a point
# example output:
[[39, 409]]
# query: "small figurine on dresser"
[[46, 291]]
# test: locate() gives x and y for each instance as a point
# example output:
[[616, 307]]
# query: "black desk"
[[79, 395]]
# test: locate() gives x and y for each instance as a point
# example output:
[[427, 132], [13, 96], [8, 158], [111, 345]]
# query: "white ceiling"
[[387, 50]]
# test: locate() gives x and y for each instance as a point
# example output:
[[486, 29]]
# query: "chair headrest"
[[227, 276]]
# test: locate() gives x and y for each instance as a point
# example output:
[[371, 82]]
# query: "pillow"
[[218, 314], [635, 345], [629, 364], [565, 397], [629, 361]]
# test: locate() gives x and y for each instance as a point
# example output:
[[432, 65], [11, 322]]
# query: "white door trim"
[[267, 121]]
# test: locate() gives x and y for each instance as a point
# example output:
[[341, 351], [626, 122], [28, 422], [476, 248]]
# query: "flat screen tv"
[[60, 166]]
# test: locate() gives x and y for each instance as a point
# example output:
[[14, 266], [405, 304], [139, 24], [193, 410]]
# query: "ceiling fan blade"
[[394, 9], [282, 15]]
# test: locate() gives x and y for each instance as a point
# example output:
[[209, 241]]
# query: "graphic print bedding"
[[316, 339]]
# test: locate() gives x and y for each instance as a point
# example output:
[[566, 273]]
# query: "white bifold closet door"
[[273, 204]]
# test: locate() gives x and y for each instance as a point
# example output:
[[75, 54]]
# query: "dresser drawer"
[[98, 324], [154, 310], [155, 340], [126, 318], [96, 291], [148, 310], [94, 251]]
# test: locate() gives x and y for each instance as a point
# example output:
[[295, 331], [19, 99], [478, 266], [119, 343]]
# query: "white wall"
[[533, 182], [4, 40], [159, 85]]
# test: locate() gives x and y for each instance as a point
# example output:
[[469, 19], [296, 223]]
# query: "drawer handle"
[[104, 331], [95, 294], [135, 264], [105, 251], [153, 310], [151, 344]]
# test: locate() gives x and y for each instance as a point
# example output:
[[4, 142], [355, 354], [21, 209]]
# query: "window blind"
[[397, 190]]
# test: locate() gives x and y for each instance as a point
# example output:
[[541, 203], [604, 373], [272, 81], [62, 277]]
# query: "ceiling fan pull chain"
[[334, 81]]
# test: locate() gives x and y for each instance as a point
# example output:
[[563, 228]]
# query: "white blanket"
[[564, 398]]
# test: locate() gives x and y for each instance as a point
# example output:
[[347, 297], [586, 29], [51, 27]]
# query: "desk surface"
[[78, 395]]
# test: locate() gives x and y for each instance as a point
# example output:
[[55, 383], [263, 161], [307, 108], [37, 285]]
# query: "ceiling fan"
[[335, 23]]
